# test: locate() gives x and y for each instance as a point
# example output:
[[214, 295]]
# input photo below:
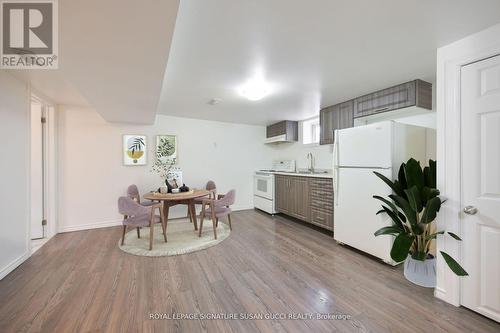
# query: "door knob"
[[471, 210]]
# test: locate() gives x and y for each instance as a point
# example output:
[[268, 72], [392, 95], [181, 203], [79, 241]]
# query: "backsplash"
[[323, 155]]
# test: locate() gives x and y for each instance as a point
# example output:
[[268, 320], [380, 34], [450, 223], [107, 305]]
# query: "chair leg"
[[151, 229], [123, 234], [202, 217], [215, 228], [214, 218], [138, 232], [229, 219]]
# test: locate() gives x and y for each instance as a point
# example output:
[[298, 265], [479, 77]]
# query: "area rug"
[[181, 236]]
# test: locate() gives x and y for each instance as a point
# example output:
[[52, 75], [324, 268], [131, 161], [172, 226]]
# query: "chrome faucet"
[[310, 158]]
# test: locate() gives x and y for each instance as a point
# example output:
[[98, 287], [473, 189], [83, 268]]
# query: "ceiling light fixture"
[[214, 101], [255, 89]]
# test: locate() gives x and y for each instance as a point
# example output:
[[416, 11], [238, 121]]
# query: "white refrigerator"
[[358, 152]]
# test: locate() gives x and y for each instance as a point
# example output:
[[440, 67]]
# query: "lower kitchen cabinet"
[[309, 199], [282, 196], [321, 198]]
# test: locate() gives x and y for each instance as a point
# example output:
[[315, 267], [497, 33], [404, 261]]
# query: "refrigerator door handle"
[[336, 168], [336, 194]]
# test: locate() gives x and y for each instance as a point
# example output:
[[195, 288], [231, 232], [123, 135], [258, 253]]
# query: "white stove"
[[264, 194]]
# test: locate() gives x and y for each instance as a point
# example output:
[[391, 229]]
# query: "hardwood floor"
[[82, 282]]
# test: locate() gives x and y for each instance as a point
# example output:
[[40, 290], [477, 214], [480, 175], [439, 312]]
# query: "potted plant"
[[413, 207]]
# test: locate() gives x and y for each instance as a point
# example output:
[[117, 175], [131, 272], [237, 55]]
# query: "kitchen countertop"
[[312, 175]]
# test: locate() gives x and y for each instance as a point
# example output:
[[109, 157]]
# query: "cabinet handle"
[[380, 109]]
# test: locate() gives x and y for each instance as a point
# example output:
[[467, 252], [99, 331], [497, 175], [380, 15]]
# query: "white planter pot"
[[422, 273]]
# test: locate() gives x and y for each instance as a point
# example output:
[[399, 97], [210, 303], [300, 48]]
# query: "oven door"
[[264, 185]]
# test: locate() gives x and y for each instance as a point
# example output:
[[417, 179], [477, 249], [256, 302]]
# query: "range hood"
[[278, 139], [283, 131]]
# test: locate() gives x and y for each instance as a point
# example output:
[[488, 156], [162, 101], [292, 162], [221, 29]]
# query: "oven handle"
[[262, 175]]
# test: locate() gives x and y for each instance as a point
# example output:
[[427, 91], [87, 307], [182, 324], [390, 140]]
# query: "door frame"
[[450, 60], [50, 164]]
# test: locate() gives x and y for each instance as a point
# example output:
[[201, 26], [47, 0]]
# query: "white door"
[[365, 146], [481, 186], [37, 171]]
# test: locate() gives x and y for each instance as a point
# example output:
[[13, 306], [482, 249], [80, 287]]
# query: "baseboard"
[[442, 295], [114, 223], [37, 244], [237, 208], [13, 265], [95, 225]]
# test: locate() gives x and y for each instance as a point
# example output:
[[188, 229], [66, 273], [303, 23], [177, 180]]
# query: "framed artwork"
[[166, 148], [134, 149]]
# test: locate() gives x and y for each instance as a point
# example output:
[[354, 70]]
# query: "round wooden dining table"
[[182, 198]]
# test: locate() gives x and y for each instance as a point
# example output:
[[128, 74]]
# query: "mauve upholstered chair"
[[133, 193], [210, 186], [216, 209], [137, 216]]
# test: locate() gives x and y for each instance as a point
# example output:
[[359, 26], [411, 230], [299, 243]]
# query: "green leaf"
[[402, 216], [401, 176], [414, 200], [433, 236], [428, 193], [391, 230], [430, 174], [387, 202], [396, 188], [405, 206], [454, 236], [418, 228], [431, 210], [414, 175], [401, 246], [394, 217], [454, 266]]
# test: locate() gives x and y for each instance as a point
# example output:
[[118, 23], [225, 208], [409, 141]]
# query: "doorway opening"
[[42, 173]]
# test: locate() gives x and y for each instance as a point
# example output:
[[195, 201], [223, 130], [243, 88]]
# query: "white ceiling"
[[314, 53], [112, 57], [113, 54]]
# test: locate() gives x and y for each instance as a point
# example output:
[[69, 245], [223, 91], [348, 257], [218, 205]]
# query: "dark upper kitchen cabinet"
[[413, 93], [288, 128], [335, 117]]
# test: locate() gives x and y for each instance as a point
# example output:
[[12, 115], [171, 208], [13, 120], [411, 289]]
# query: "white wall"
[[323, 155], [92, 175], [14, 169]]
